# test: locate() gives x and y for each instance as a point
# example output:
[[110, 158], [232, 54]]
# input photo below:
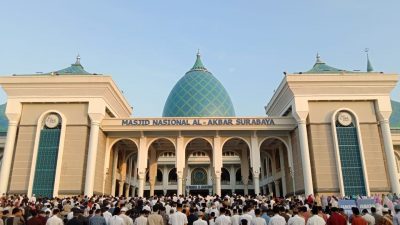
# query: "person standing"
[[258, 220], [396, 218], [16, 218], [154, 218], [127, 219], [377, 216], [368, 217], [235, 218], [277, 219], [222, 219], [55, 219], [116, 219], [178, 218], [336, 218], [142, 219], [191, 218], [297, 218], [315, 219], [97, 219], [200, 220], [356, 219]]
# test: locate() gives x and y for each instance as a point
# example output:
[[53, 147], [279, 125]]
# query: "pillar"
[[264, 188], [165, 179], [270, 190], [255, 162], [390, 157], [114, 169], [13, 120], [152, 170], [217, 163], [96, 119], [180, 163], [232, 174], [244, 167], [283, 170], [127, 190], [305, 157], [135, 182], [277, 189], [121, 188], [142, 164]]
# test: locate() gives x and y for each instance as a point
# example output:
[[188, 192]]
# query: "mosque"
[[325, 131]]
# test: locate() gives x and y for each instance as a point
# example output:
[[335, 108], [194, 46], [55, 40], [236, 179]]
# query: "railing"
[[225, 182], [172, 182]]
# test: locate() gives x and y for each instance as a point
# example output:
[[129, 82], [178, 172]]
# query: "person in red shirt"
[[356, 218], [36, 219], [336, 218]]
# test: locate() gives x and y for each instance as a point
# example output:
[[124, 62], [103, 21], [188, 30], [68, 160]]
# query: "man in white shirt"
[[142, 219], [368, 217], [246, 215], [315, 219], [55, 219], [116, 219], [200, 221], [258, 220], [178, 218], [297, 219], [277, 219], [235, 218], [223, 219], [107, 215], [127, 219]]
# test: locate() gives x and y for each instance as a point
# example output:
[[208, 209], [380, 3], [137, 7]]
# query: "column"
[[96, 119], [270, 190], [255, 162], [180, 163], [114, 169], [13, 120], [245, 171], [305, 157], [152, 170], [142, 164], [283, 171], [122, 171], [135, 182], [165, 179], [232, 174], [390, 157], [127, 190], [121, 188], [277, 189], [129, 180], [217, 163], [264, 188]]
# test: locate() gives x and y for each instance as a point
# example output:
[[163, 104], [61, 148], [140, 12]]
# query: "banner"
[[347, 205], [365, 204]]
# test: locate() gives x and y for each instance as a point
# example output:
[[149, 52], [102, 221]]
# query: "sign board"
[[199, 187], [365, 204], [198, 122], [347, 205]]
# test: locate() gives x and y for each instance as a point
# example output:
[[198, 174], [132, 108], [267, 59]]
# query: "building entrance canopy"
[[200, 123]]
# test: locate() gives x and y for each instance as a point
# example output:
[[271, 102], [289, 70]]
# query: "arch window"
[[350, 155], [225, 176], [199, 176], [172, 176], [46, 161]]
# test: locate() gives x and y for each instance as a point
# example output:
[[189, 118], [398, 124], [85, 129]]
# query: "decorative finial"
[[78, 59], [198, 52], [369, 65], [318, 58]]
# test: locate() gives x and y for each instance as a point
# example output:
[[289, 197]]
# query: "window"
[[46, 161], [350, 156]]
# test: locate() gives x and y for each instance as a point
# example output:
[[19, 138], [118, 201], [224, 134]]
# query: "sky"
[[147, 46]]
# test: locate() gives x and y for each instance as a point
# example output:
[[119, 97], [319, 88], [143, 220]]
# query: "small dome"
[[198, 94]]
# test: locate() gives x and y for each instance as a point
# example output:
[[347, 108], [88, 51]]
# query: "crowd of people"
[[193, 210]]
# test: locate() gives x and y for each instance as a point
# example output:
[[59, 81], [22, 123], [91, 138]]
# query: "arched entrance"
[[236, 164], [161, 152], [276, 169], [122, 168], [197, 173]]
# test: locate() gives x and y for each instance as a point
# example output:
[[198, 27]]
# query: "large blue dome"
[[198, 94]]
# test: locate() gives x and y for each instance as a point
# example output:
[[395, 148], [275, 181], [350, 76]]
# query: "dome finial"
[[78, 59], [369, 65], [198, 65], [318, 58]]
